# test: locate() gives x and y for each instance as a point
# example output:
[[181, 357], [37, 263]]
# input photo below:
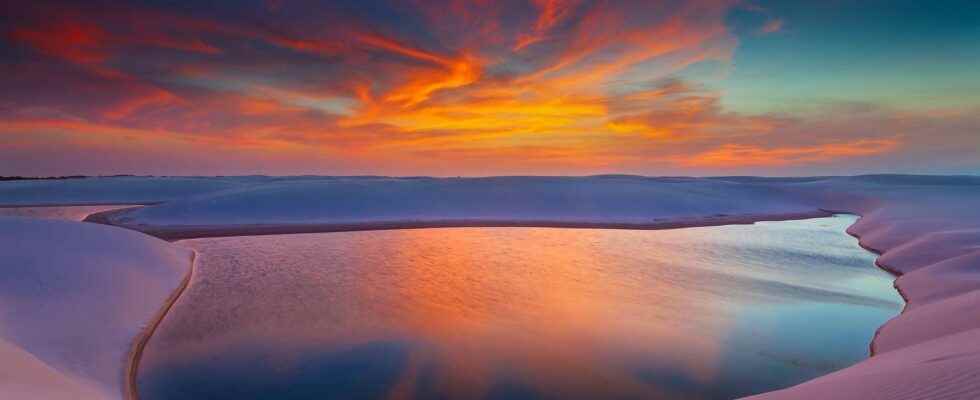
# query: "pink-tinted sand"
[[929, 235], [927, 230]]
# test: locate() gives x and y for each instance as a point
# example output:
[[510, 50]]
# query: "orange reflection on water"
[[549, 313], [549, 303]]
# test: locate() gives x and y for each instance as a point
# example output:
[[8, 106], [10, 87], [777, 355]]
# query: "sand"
[[927, 230], [74, 297]]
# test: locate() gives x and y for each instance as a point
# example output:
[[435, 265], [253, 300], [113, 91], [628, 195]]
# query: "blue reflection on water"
[[520, 313]]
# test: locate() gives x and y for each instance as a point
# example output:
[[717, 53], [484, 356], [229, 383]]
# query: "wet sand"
[[140, 341]]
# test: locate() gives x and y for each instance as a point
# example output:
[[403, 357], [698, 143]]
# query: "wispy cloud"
[[588, 86], [743, 155], [772, 26]]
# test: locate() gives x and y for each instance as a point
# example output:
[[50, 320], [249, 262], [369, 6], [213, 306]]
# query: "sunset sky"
[[485, 87]]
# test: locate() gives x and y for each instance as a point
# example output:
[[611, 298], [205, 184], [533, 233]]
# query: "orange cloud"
[[583, 85], [743, 155], [420, 83], [423, 83]]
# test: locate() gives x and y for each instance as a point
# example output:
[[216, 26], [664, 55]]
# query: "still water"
[[519, 313]]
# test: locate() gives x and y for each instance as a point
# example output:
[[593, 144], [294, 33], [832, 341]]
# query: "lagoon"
[[519, 313]]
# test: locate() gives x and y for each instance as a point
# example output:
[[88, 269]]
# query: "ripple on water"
[[519, 313]]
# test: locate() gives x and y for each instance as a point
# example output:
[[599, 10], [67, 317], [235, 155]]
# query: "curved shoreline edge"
[[930, 350], [131, 390], [183, 232], [93, 290], [174, 234], [878, 253], [894, 272], [924, 229]]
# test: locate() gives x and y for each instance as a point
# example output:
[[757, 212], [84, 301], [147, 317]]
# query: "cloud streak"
[[741, 155], [487, 87]]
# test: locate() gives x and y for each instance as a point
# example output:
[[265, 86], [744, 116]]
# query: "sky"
[[482, 87]]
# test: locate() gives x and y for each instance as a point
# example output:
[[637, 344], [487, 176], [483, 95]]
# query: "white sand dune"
[[111, 190], [941, 280], [72, 213], [926, 228], [940, 369], [351, 203], [24, 376], [73, 298]]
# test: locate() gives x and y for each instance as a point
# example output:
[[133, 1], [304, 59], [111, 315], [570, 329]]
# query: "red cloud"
[[552, 13], [78, 42], [464, 83]]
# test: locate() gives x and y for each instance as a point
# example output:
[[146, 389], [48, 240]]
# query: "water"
[[519, 313]]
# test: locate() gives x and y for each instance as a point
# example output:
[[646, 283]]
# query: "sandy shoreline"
[[894, 272], [181, 232], [131, 390], [89, 294], [925, 231], [189, 232], [131, 372]]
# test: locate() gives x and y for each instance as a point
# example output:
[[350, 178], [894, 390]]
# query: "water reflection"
[[517, 313]]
